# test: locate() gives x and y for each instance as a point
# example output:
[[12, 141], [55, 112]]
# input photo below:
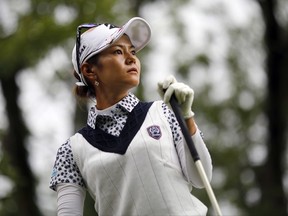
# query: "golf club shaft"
[[175, 107]]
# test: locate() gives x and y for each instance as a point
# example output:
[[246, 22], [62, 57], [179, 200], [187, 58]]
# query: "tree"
[[271, 174]]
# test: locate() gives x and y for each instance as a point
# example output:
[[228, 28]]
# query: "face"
[[117, 67]]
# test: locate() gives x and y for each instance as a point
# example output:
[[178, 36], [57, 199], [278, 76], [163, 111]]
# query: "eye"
[[133, 52], [118, 51]]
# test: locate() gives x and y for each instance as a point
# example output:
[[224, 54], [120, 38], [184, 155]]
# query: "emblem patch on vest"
[[154, 131]]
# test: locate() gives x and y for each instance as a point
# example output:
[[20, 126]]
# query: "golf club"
[[175, 107]]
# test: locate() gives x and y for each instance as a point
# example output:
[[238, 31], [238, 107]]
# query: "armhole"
[[75, 146]]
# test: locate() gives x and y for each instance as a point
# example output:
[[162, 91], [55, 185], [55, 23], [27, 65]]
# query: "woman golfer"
[[131, 156]]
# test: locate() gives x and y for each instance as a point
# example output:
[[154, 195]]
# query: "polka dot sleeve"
[[174, 125], [65, 169]]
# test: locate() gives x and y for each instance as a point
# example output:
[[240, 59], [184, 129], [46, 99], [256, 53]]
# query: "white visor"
[[102, 36]]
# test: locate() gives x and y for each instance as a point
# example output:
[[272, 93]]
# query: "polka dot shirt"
[[110, 120]]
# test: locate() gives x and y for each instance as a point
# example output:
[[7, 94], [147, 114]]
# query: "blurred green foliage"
[[232, 128]]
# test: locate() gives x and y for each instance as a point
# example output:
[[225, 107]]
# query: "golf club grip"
[[175, 107]]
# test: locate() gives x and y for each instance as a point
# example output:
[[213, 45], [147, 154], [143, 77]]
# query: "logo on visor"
[[82, 50], [154, 131], [110, 26]]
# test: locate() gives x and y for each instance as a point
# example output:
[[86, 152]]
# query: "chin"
[[134, 84], [135, 80]]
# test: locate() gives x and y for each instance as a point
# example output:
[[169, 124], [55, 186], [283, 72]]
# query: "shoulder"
[[64, 149], [65, 169]]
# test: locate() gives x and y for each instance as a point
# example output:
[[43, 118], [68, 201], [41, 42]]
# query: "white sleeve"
[[187, 163], [70, 199]]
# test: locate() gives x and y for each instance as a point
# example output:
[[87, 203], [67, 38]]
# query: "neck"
[[108, 99]]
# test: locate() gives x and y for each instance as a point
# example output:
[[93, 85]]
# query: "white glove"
[[183, 93]]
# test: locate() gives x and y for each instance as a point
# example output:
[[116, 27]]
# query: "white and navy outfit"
[[133, 160]]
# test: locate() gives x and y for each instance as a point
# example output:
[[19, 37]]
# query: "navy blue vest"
[[109, 143]]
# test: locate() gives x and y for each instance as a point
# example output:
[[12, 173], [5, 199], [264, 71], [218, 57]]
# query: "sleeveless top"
[[137, 173]]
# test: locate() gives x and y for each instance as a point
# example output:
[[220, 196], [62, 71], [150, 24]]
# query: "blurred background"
[[234, 54]]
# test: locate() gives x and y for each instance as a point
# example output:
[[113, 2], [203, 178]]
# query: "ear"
[[88, 72]]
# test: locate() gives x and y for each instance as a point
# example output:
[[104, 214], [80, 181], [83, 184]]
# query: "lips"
[[132, 70]]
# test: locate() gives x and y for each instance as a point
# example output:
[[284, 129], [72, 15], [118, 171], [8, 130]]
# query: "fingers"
[[163, 85], [171, 86], [182, 92], [167, 82], [168, 93]]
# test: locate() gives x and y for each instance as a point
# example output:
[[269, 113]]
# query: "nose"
[[130, 59]]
